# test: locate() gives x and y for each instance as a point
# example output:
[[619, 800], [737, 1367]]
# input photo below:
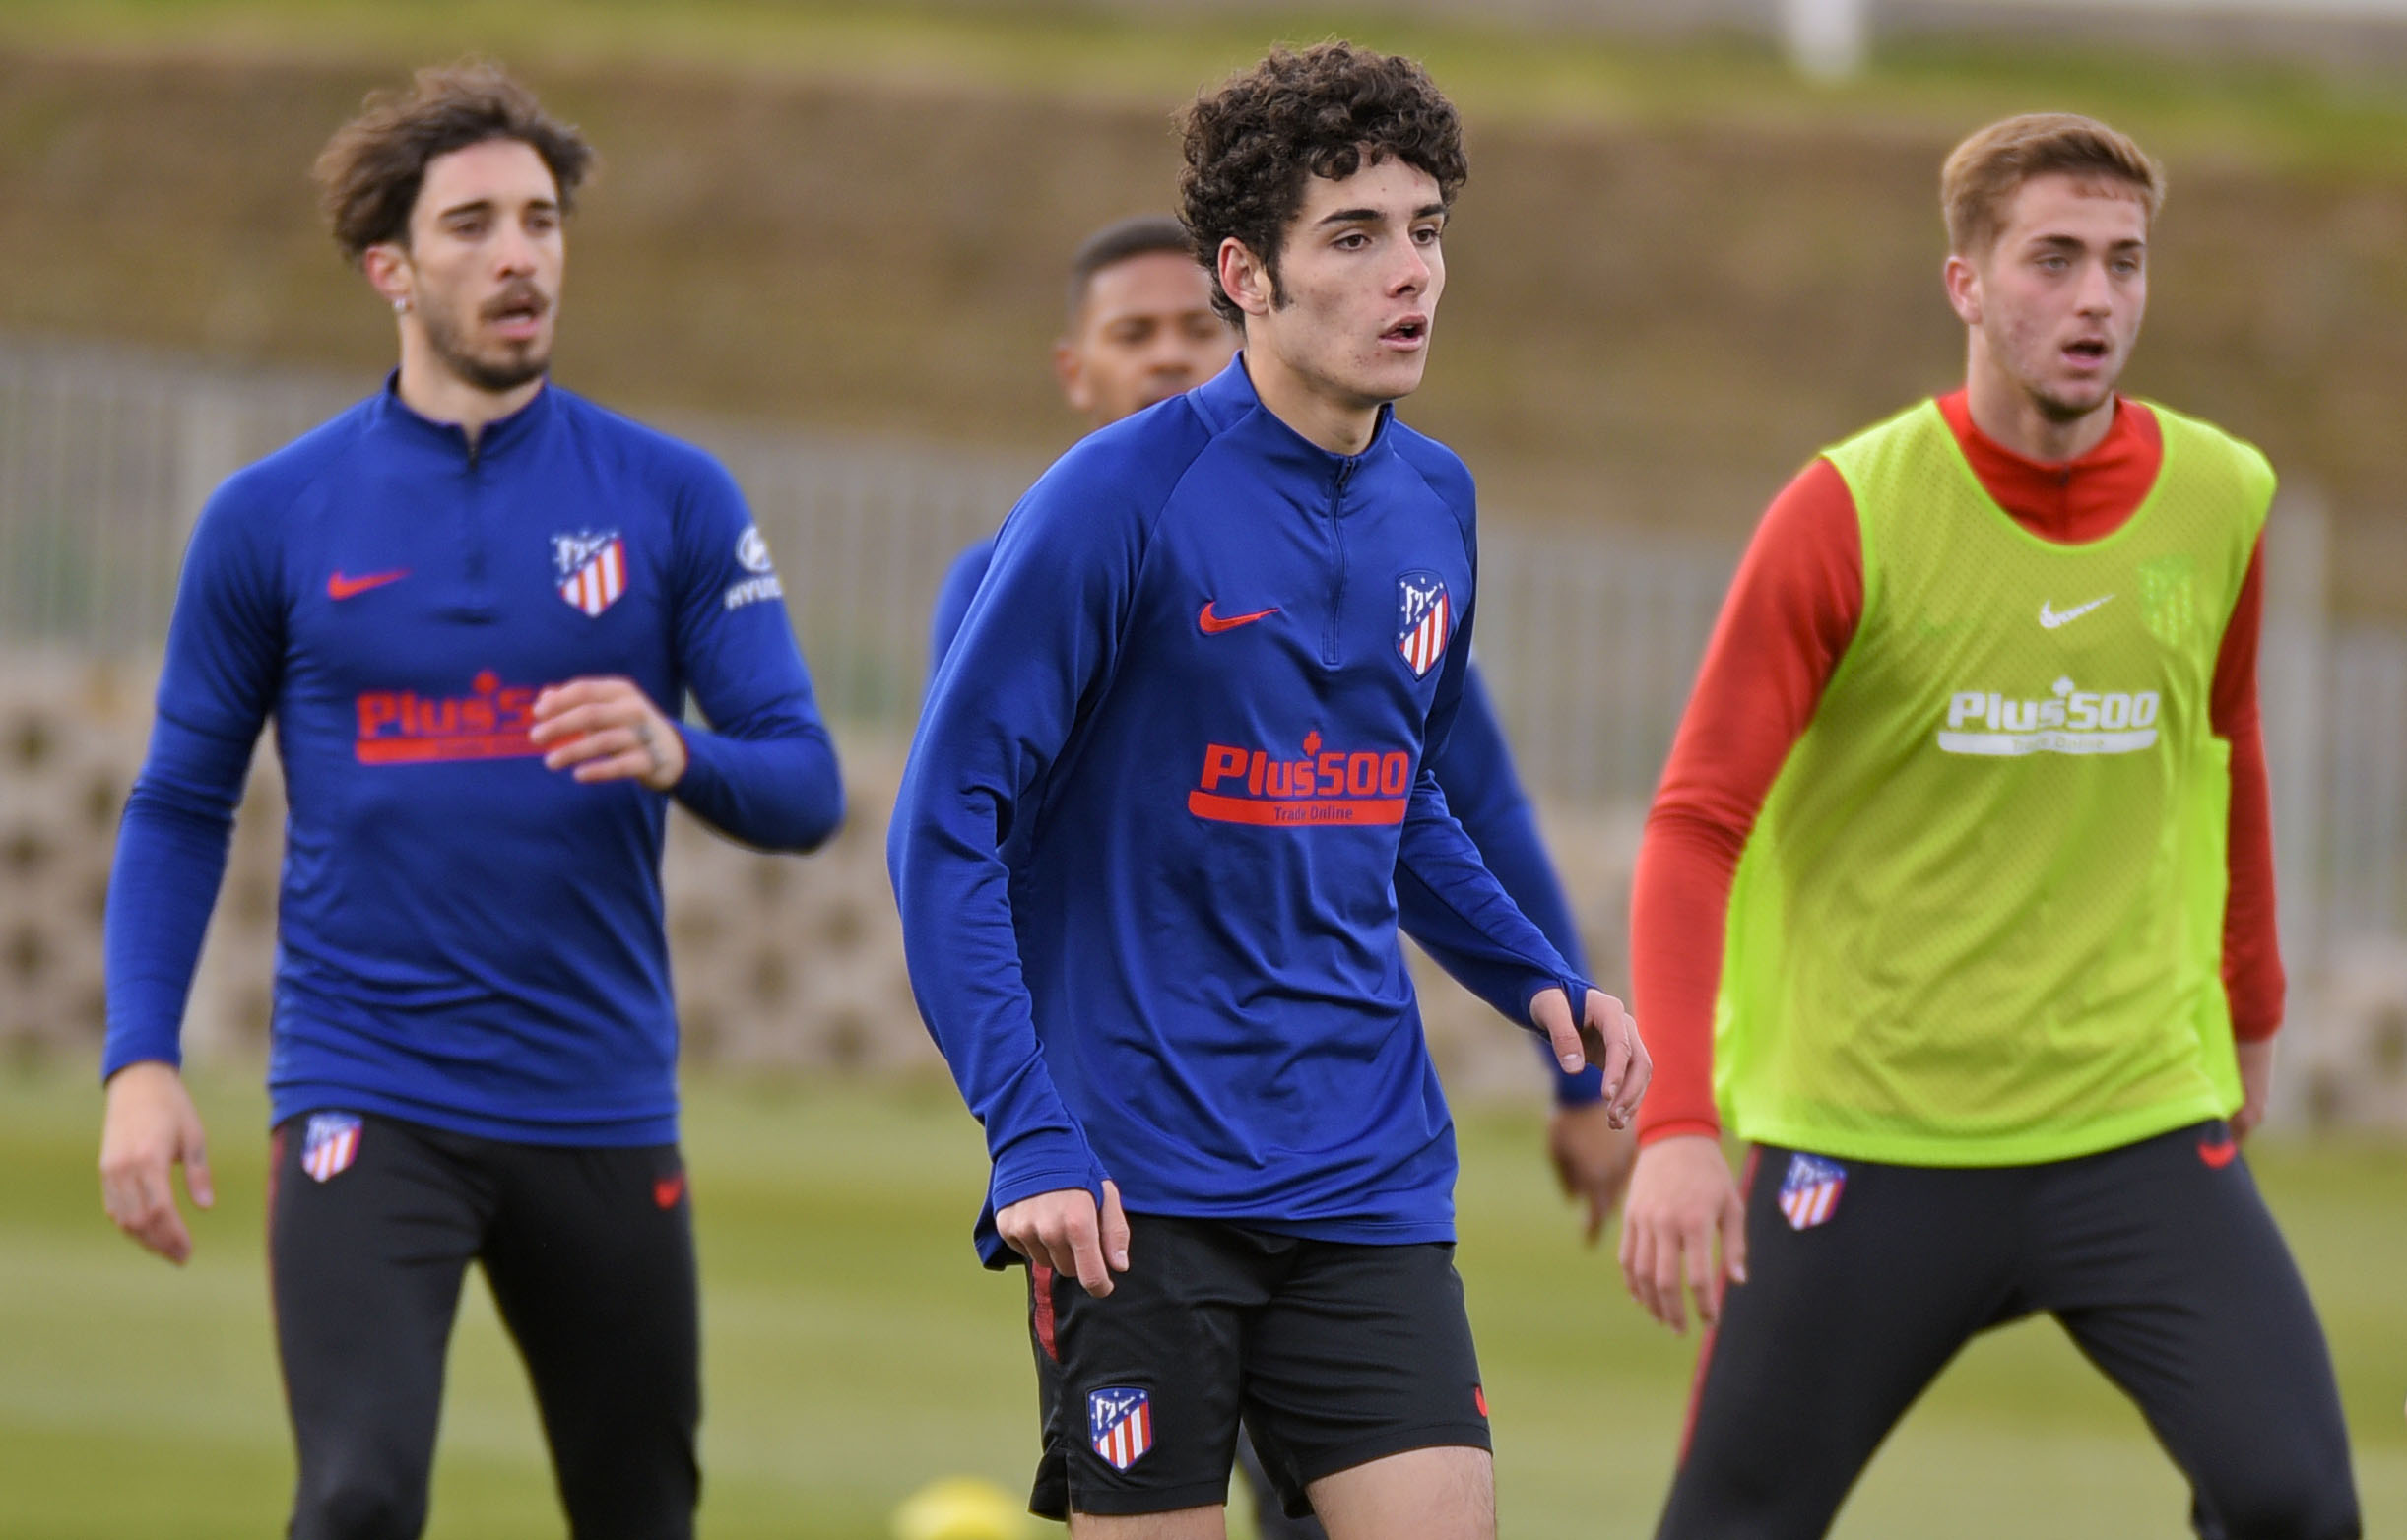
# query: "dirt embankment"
[[1651, 327]]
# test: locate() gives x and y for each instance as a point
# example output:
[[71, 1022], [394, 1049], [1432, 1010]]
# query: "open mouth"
[[1411, 331], [517, 313], [2088, 352]]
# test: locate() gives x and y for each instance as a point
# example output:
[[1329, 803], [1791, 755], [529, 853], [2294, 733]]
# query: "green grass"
[[854, 1349], [2241, 110]]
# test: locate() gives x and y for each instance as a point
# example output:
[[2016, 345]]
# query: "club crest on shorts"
[[1809, 1194], [1119, 1423], [330, 1144], [1422, 621], [590, 568]]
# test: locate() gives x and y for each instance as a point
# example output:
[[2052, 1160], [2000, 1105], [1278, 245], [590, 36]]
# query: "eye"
[[1426, 234], [1352, 240]]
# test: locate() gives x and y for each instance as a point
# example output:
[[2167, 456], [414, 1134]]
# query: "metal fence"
[[1589, 639]]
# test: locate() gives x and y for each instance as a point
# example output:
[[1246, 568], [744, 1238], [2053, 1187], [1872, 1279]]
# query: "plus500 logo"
[[2068, 721], [1249, 786]]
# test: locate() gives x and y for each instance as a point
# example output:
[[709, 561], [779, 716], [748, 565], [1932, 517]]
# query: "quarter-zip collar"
[[1230, 403], [500, 437]]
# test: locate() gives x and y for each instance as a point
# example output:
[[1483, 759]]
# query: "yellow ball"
[[961, 1507]]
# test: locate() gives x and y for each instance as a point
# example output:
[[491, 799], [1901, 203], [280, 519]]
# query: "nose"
[[1411, 274], [514, 252], [2095, 296]]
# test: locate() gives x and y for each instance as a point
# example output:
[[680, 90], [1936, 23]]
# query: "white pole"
[[1827, 40]]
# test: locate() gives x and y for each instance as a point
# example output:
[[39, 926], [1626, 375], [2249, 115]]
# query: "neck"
[[430, 389], [2007, 414], [1340, 425]]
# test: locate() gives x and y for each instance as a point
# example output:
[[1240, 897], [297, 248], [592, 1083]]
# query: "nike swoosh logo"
[[2218, 1156], [340, 587], [2049, 618], [1213, 624]]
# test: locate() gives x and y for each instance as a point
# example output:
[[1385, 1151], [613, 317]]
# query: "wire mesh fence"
[[1590, 638]]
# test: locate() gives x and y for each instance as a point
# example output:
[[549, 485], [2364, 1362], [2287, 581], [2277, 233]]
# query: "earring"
[[400, 305]]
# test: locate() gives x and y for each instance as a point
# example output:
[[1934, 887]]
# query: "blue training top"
[[1165, 811], [466, 938], [1483, 791]]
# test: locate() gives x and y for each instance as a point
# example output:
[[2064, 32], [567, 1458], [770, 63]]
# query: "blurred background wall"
[[1699, 242]]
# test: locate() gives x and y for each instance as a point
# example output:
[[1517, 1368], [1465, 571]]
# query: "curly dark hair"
[[1325, 111], [369, 173]]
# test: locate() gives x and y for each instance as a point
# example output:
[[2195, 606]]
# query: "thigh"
[[1863, 1281], [2164, 1264], [1446, 1493], [1271, 1520], [1138, 1390], [591, 1261], [1361, 1352], [370, 1224]]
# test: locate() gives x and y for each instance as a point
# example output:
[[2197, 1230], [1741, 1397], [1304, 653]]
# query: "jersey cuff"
[[1676, 1126], [139, 1051], [2257, 1031]]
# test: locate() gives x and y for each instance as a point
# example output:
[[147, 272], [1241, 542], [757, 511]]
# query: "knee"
[[2303, 1505], [360, 1504]]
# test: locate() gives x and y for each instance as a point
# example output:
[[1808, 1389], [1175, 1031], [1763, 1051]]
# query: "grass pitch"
[[854, 1349]]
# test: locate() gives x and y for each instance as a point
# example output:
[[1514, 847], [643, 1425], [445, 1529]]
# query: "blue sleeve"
[[1449, 901], [224, 663], [764, 772], [1474, 768], [953, 598], [1040, 635]]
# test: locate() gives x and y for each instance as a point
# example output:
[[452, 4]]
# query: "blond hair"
[[1983, 173]]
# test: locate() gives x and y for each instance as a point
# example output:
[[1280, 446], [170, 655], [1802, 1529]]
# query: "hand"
[[610, 731], [2255, 1086], [1606, 1036], [149, 1125], [1680, 1196], [1591, 1159], [1060, 1230]]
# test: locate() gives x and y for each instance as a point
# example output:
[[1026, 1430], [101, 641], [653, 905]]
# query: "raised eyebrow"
[[485, 206]]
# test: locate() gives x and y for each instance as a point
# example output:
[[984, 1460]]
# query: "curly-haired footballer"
[[1169, 805]]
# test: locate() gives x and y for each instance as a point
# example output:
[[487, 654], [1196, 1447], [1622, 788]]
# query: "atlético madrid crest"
[[1809, 1193], [591, 568], [1119, 1421], [1422, 621], [330, 1144]]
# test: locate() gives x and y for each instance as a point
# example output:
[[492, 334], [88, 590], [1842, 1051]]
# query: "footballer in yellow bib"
[[1956, 905]]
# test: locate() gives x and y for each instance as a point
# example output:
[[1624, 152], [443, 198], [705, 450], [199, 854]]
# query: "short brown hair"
[[1327, 112], [1986, 171], [368, 174]]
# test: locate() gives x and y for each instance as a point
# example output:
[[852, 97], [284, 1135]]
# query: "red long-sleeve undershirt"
[[1791, 614]]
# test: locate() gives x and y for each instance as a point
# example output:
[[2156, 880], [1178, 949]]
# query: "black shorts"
[[371, 1225], [1333, 1354], [1865, 1279]]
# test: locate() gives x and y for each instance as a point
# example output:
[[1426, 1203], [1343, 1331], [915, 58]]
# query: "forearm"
[[1449, 902], [783, 791], [963, 957], [171, 859]]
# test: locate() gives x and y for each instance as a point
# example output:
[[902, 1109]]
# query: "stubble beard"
[[524, 362]]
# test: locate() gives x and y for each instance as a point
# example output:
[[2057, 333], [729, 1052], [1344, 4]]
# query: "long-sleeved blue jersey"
[[1165, 807], [1474, 769], [464, 938]]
